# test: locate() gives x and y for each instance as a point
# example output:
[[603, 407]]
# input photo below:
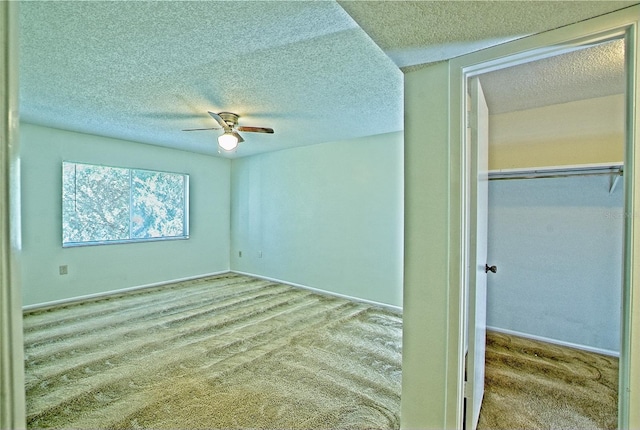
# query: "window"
[[102, 204]]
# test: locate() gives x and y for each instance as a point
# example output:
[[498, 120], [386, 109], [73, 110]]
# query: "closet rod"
[[557, 171]]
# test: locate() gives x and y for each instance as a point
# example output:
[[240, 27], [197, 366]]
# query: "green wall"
[[99, 269], [326, 216]]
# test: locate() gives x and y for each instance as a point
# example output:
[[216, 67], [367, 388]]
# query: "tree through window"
[[102, 204]]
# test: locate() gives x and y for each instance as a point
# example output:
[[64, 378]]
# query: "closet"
[[555, 233]]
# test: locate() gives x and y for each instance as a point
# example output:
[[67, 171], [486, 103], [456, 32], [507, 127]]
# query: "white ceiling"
[[143, 71]]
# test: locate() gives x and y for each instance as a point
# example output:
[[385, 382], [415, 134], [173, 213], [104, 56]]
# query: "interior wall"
[[98, 269], [557, 243], [579, 132], [326, 216], [426, 273]]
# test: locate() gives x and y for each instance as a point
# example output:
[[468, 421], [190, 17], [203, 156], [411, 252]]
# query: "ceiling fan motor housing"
[[230, 118]]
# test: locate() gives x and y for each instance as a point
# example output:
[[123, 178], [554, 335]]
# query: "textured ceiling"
[[591, 72], [143, 71], [418, 32], [414, 33]]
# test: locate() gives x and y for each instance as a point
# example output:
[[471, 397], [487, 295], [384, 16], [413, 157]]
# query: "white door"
[[477, 294]]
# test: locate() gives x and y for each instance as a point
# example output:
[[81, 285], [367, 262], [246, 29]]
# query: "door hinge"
[[466, 389], [468, 119]]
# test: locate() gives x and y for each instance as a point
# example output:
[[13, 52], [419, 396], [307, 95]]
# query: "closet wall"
[[580, 132], [557, 242]]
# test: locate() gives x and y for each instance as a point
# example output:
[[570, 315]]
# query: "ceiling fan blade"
[[219, 120], [199, 129], [256, 129], [240, 139]]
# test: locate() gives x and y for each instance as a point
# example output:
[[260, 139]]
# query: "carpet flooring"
[[231, 351], [537, 385], [227, 351]]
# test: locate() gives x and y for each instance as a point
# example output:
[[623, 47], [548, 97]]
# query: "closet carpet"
[[227, 351], [537, 385]]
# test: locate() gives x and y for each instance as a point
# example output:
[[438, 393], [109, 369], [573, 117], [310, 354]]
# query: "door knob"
[[492, 269]]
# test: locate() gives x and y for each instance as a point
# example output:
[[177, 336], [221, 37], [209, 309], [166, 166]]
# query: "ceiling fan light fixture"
[[228, 141]]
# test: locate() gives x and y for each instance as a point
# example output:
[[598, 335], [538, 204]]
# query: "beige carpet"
[[236, 352], [224, 352], [537, 385]]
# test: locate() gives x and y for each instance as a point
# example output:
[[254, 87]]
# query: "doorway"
[[555, 233], [471, 230]]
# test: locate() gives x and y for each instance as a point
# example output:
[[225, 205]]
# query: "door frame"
[[12, 398], [623, 23]]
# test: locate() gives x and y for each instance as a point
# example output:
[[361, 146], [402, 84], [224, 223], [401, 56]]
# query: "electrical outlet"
[[239, 253], [259, 254], [63, 269]]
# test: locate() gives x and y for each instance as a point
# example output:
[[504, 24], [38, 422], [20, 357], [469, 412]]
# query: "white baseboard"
[[392, 308], [96, 296], [556, 342]]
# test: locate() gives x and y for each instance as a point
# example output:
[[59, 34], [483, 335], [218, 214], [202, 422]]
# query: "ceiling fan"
[[228, 121]]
